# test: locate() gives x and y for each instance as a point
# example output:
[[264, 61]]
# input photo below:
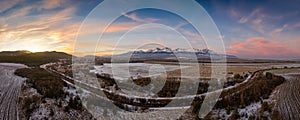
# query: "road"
[[10, 86], [289, 96]]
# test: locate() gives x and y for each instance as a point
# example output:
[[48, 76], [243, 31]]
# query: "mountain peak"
[[169, 53], [167, 49]]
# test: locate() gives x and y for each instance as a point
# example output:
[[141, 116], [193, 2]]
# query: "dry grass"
[[205, 69]]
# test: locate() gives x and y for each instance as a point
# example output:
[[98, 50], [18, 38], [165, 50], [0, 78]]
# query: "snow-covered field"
[[288, 93], [250, 110], [10, 86], [123, 71]]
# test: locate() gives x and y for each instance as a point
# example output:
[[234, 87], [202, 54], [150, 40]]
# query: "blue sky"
[[250, 29]]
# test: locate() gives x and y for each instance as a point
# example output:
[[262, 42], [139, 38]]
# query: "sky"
[[249, 29]]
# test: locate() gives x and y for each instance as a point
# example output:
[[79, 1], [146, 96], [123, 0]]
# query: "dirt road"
[[10, 86]]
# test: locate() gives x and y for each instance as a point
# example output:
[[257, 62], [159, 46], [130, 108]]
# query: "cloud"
[[250, 16], [39, 22], [19, 12], [136, 18], [7, 4], [36, 6], [125, 26], [279, 30], [51, 4], [261, 21], [260, 47], [286, 27], [181, 24], [233, 13], [191, 34], [39, 31], [269, 21]]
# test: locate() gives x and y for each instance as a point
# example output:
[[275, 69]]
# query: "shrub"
[[47, 84], [253, 91], [30, 104], [67, 109], [75, 103], [51, 112], [235, 114], [264, 106], [269, 75], [251, 118], [246, 75], [228, 110], [237, 76]]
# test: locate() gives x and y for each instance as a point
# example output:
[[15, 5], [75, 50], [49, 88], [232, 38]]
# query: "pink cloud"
[[245, 19], [51, 4], [260, 47]]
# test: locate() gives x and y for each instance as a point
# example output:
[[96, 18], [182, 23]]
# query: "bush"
[[228, 110], [47, 84], [251, 118], [236, 113], [196, 107], [237, 76], [51, 112], [75, 103], [67, 109], [246, 76], [253, 91], [264, 107], [269, 75], [30, 104]]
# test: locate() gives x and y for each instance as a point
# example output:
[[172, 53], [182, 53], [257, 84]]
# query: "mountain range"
[[178, 53]]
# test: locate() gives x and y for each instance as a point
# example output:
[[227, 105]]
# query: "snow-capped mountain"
[[168, 53]]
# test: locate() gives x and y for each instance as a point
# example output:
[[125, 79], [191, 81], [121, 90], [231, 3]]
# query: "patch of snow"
[[71, 91], [250, 110], [14, 65]]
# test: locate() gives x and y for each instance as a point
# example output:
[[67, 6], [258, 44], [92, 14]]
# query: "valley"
[[61, 89]]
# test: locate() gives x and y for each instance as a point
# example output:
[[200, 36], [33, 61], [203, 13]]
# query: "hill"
[[32, 59]]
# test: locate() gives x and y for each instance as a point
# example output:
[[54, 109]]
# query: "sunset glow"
[[248, 29]]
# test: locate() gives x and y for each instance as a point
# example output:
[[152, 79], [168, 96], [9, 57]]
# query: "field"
[[45, 95], [156, 83], [10, 86], [261, 84], [288, 95], [122, 71], [231, 68]]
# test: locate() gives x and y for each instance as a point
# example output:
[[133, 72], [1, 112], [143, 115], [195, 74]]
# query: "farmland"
[[205, 69], [155, 85], [262, 85], [10, 86], [288, 95]]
